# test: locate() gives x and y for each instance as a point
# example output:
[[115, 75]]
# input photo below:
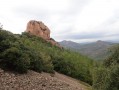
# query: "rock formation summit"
[[39, 29]]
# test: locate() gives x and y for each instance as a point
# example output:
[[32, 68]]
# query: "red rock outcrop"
[[39, 29]]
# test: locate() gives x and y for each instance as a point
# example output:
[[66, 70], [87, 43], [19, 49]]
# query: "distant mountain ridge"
[[69, 44], [95, 50]]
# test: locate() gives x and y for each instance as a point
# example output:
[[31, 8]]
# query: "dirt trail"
[[37, 81], [71, 81]]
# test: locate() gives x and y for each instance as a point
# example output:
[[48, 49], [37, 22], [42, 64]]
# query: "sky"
[[76, 20]]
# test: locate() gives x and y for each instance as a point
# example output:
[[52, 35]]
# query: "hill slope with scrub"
[[25, 52]]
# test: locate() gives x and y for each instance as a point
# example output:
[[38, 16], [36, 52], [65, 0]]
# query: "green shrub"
[[36, 63], [113, 58], [106, 77], [47, 63], [101, 78], [114, 78], [16, 60]]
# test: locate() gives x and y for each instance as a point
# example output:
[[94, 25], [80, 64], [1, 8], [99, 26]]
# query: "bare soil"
[[37, 81]]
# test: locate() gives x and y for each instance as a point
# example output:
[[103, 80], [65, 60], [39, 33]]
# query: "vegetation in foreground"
[[106, 75], [23, 52]]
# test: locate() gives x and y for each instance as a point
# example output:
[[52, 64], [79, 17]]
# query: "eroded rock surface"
[[39, 29]]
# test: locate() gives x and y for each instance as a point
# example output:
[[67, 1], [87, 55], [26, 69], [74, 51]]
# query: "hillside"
[[31, 61], [30, 51], [96, 50], [70, 44], [38, 81]]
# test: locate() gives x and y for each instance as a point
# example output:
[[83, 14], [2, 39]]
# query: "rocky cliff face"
[[39, 29]]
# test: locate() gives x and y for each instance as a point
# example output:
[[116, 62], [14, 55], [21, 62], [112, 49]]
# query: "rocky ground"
[[37, 81]]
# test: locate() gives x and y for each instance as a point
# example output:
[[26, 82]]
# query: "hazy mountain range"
[[95, 50]]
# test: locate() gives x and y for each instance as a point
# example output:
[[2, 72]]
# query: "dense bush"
[[106, 76], [74, 65], [113, 58], [16, 59], [100, 78], [17, 56]]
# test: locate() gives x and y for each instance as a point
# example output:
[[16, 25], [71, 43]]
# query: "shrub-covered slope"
[[106, 76], [25, 51]]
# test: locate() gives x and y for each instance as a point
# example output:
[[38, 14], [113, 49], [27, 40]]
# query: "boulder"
[[39, 29]]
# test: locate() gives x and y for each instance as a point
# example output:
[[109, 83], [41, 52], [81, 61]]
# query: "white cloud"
[[94, 14], [64, 17]]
